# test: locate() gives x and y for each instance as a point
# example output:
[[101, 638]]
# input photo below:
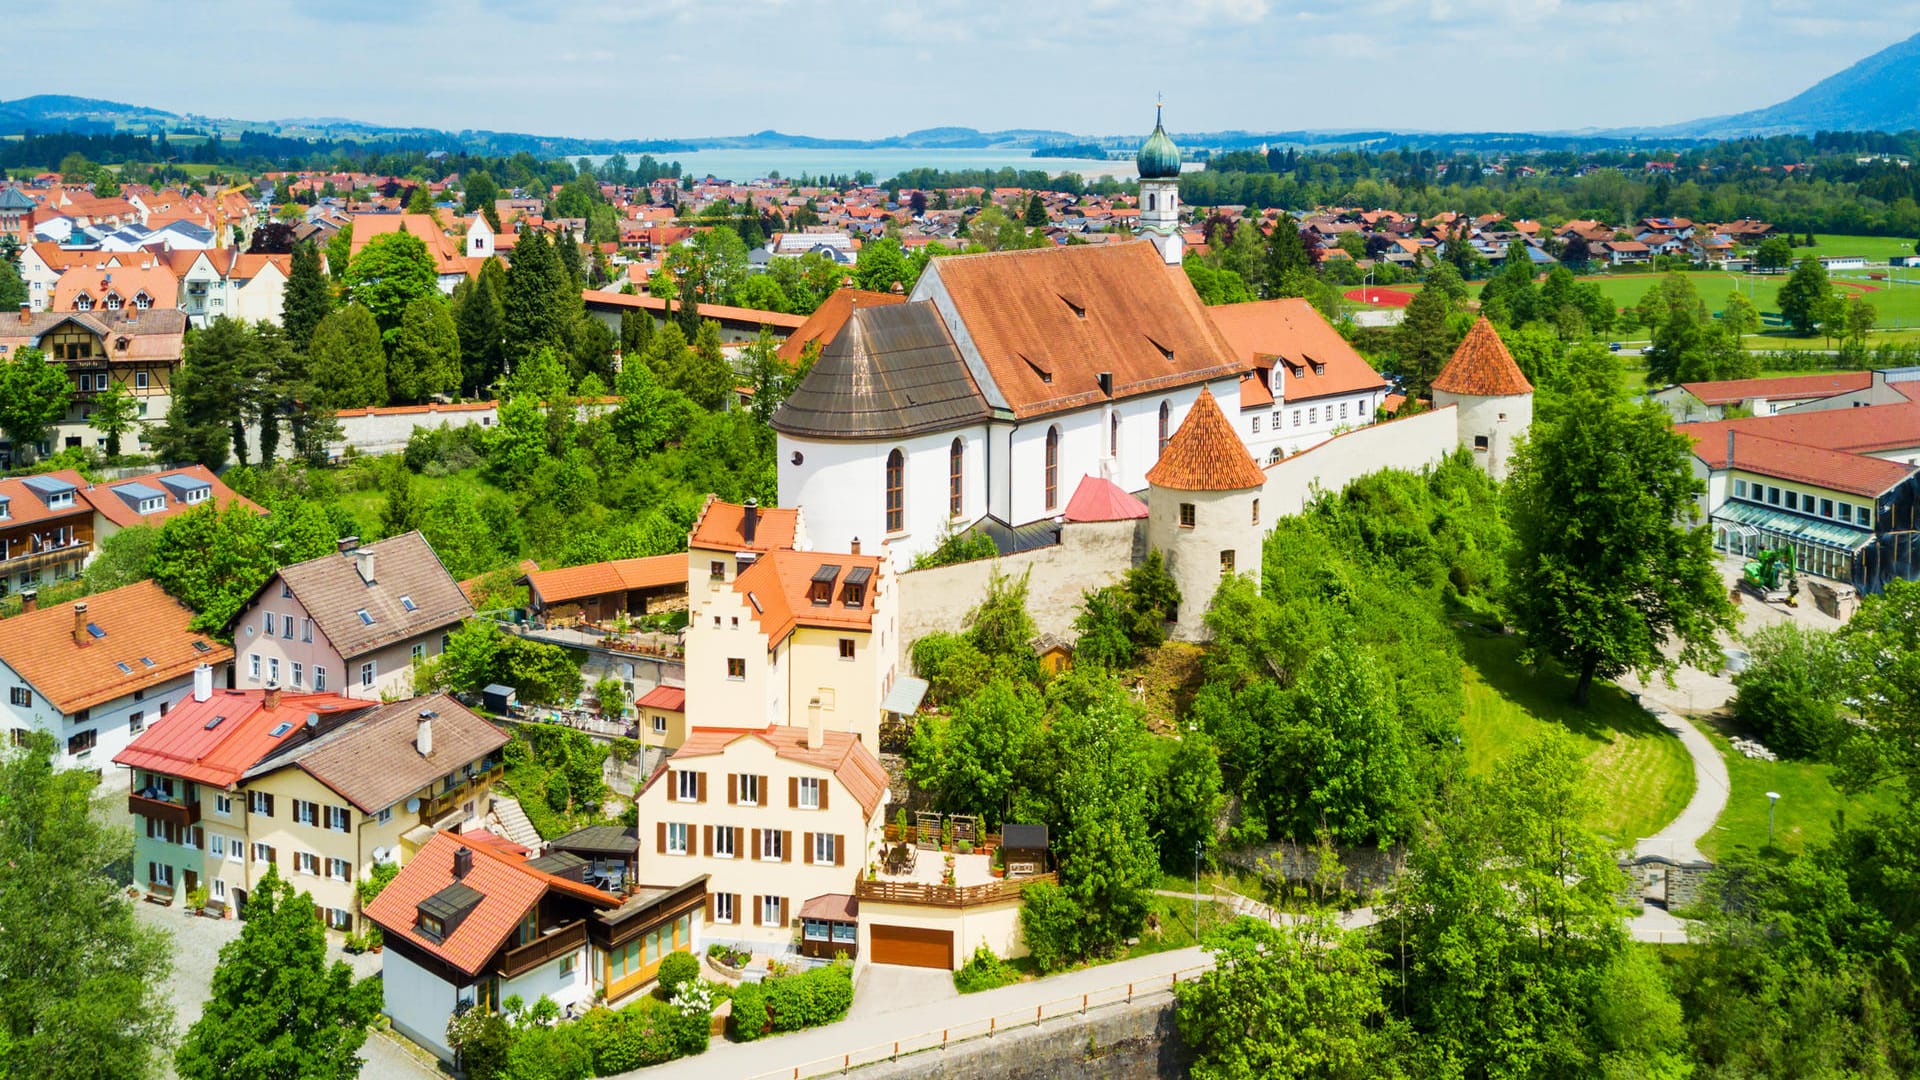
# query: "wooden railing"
[[525, 958], [181, 815], [912, 892]]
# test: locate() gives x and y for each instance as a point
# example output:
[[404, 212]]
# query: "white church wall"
[[842, 485], [1090, 555], [1413, 443]]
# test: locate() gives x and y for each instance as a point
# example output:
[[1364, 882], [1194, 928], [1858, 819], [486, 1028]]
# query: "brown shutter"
[[660, 837], [349, 867], [824, 785], [793, 792], [839, 850], [763, 790], [710, 907], [736, 909], [733, 789], [786, 845], [753, 852], [783, 911], [319, 915], [806, 847], [199, 838], [706, 839], [273, 855], [756, 911], [700, 782]]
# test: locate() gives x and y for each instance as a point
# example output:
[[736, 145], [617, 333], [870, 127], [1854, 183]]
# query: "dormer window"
[[113, 302], [820, 588], [854, 594], [142, 300], [83, 302]]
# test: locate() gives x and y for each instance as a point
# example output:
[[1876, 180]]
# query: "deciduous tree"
[[391, 272], [33, 398]]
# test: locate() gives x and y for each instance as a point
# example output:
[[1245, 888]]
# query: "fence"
[[1119, 994]]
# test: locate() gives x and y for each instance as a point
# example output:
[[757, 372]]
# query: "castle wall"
[[1490, 426], [1225, 538], [1090, 555], [1412, 444]]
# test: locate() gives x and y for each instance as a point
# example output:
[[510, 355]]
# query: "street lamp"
[[1198, 847], [1772, 798]]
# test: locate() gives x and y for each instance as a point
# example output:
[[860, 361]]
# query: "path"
[[864, 1028], [1680, 840]]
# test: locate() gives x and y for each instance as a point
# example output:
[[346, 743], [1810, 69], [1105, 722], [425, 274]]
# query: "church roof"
[[1206, 454], [1158, 158], [891, 371], [1482, 367], [1047, 322], [1100, 499]]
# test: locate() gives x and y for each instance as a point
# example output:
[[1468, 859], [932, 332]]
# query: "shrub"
[[749, 1011], [1790, 692], [639, 1035], [676, 970], [1051, 921], [984, 972], [820, 996], [483, 1041], [550, 1053], [690, 1017]]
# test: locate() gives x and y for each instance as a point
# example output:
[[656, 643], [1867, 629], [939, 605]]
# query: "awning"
[[832, 907], [906, 695], [1793, 526]]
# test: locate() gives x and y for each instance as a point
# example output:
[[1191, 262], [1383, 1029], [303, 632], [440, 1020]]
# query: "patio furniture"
[[927, 830]]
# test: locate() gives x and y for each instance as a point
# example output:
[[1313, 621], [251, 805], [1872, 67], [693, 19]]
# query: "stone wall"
[[1412, 444], [1366, 869], [1089, 555], [1135, 1041]]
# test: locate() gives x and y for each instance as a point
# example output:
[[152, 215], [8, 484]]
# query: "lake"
[[745, 165]]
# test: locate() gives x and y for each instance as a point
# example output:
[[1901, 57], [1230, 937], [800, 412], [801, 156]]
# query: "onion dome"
[[1158, 158]]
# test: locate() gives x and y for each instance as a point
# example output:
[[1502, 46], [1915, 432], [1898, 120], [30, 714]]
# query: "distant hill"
[[1880, 93]]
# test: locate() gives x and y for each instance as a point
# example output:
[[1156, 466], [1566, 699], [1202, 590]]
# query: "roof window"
[[365, 618], [213, 723], [146, 661], [280, 729], [820, 588], [407, 602], [122, 665]]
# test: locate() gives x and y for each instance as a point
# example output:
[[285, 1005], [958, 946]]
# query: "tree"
[[1774, 253], [211, 392], [346, 363], [1860, 318], [213, 559], [478, 192], [539, 301], [1424, 341], [1804, 297], [882, 265], [13, 290], [975, 759], [1286, 250], [1607, 567], [1791, 690], [476, 307], [82, 981], [1740, 317], [1354, 779], [33, 398], [426, 352], [123, 559], [278, 1008], [340, 252], [1881, 648], [390, 273], [307, 298], [114, 412], [1036, 215], [271, 238], [479, 653]]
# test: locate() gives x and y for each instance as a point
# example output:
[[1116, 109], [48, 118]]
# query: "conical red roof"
[[1482, 367], [1206, 454]]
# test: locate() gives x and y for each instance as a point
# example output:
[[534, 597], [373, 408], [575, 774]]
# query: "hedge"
[[820, 996]]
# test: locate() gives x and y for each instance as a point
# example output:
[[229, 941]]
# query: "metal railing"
[[987, 1027]]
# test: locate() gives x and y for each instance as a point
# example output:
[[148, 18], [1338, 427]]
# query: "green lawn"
[[1877, 249], [1804, 814], [361, 497], [1640, 773]]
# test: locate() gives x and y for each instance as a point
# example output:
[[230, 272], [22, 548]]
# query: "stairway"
[[514, 824]]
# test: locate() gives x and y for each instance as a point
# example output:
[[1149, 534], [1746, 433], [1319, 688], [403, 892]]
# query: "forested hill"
[[1880, 93]]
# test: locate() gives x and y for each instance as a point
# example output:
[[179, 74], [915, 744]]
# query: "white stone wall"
[[842, 485], [418, 1002], [1089, 556], [1223, 521], [1413, 443], [1500, 421]]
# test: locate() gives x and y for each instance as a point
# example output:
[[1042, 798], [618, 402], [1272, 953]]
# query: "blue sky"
[[864, 68]]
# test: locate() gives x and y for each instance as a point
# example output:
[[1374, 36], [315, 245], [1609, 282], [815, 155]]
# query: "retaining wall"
[[1119, 1042]]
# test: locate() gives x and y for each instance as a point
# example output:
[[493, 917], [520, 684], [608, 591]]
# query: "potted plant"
[[873, 871], [375, 942], [966, 847], [197, 899], [997, 864], [946, 834]]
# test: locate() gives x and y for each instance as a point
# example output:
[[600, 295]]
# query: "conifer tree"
[[307, 299]]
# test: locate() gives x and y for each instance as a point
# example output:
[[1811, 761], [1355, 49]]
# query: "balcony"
[[45, 557], [180, 815], [521, 959], [953, 896], [433, 808]]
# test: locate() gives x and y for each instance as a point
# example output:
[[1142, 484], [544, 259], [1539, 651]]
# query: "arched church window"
[[1113, 435], [1166, 424], [1053, 466], [955, 500], [896, 491]]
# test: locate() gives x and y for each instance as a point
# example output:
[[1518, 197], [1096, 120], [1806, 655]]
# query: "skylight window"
[[146, 661], [201, 646], [94, 629], [365, 618], [122, 665], [407, 602], [213, 723], [280, 729]]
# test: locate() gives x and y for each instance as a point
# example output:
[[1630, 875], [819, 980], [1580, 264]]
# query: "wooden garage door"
[[913, 946]]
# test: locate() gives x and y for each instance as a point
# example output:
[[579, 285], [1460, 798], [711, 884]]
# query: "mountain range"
[[1879, 93]]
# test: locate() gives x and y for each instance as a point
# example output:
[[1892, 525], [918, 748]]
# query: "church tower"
[[1159, 165]]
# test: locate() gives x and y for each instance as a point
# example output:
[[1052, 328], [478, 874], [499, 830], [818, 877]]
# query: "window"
[[1186, 515], [846, 648], [771, 846], [659, 725], [273, 669], [268, 618], [1793, 500], [1113, 434], [1480, 442], [419, 651], [686, 786], [955, 501], [384, 816], [809, 793], [1166, 424], [223, 805], [82, 741], [160, 874], [319, 678], [299, 674], [253, 666], [896, 492], [306, 862], [286, 628], [1053, 466], [1296, 418], [140, 380], [1773, 495], [717, 570], [286, 591], [1826, 508], [824, 848], [746, 789], [407, 602], [723, 907], [1739, 489], [338, 819], [262, 853], [217, 846], [306, 813], [306, 630], [1845, 512], [366, 618], [366, 673], [260, 802], [136, 723], [339, 870], [20, 696], [1343, 410], [726, 842], [736, 667], [1256, 511], [1226, 563], [1256, 425], [770, 911], [677, 837]]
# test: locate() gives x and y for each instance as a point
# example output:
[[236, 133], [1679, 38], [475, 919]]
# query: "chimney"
[[26, 311], [202, 682], [423, 733], [363, 562], [270, 700], [462, 863], [750, 520], [816, 735], [856, 545], [1106, 383], [347, 544], [80, 635], [29, 601]]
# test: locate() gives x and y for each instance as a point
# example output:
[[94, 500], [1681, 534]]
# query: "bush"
[[550, 1053], [820, 996], [639, 1035], [676, 970], [483, 1041], [1790, 692], [749, 1019], [1051, 921], [984, 972]]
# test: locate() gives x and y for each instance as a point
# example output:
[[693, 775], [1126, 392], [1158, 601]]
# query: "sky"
[[644, 69]]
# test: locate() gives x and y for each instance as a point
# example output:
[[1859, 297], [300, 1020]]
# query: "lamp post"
[[1772, 798], [1198, 847]]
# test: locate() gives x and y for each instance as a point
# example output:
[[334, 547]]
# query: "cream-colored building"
[[775, 816], [233, 782]]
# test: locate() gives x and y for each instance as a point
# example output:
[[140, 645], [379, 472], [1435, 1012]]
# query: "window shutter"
[[733, 789], [660, 837], [763, 790], [793, 792], [348, 867], [806, 847], [273, 855], [786, 846], [783, 911], [839, 851], [706, 839], [824, 785], [199, 837], [269, 805], [320, 914], [700, 781], [710, 907], [754, 852], [756, 911], [736, 909]]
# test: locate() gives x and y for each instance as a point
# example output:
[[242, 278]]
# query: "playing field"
[[1877, 249]]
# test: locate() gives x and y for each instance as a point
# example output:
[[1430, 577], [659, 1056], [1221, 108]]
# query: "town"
[[1269, 610]]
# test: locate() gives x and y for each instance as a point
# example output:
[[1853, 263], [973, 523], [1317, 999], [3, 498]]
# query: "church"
[[1007, 377]]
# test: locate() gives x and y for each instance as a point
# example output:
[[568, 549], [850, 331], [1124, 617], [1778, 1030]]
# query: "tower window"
[[1150, 200], [896, 491], [1186, 515], [1226, 563], [1479, 442], [955, 454], [1053, 466], [1166, 423]]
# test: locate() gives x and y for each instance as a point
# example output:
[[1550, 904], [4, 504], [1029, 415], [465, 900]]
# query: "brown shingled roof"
[[840, 753], [1482, 367], [404, 566], [1206, 454], [372, 761]]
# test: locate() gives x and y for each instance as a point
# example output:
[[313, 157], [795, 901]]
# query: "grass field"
[[1877, 249], [1804, 815], [1640, 773]]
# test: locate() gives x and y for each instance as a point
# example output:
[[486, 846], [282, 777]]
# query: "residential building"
[[1303, 382], [468, 923], [352, 623], [450, 263], [134, 349], [46, 529], [774, 817], [97, 674], [155, 498], [231, 283], [1689, 402], [235, 782]]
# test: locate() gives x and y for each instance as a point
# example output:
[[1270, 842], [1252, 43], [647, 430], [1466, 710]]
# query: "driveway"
[[886, 988]]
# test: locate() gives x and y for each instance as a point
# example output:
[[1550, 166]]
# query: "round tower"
[[1159, 165], [1493, 399], [1203, 511]]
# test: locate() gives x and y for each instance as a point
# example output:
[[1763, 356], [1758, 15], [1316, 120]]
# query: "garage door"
[[913, 946]]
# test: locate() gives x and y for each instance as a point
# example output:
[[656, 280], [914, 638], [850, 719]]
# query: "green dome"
[[1158, 158]]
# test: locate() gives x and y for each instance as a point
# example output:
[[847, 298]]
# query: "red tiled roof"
[[777, 585], [664, 698], [829, 317], [832, 907], [1206, 454], [24, 507], [1292, 331], [598, 579], [241, 733], [1730, 391], [138, 623], [719, 312], [1482, 367], [115, 509], [1864, 430], [718, 528], [840, 753], [1099, 499], [1835, 470]]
